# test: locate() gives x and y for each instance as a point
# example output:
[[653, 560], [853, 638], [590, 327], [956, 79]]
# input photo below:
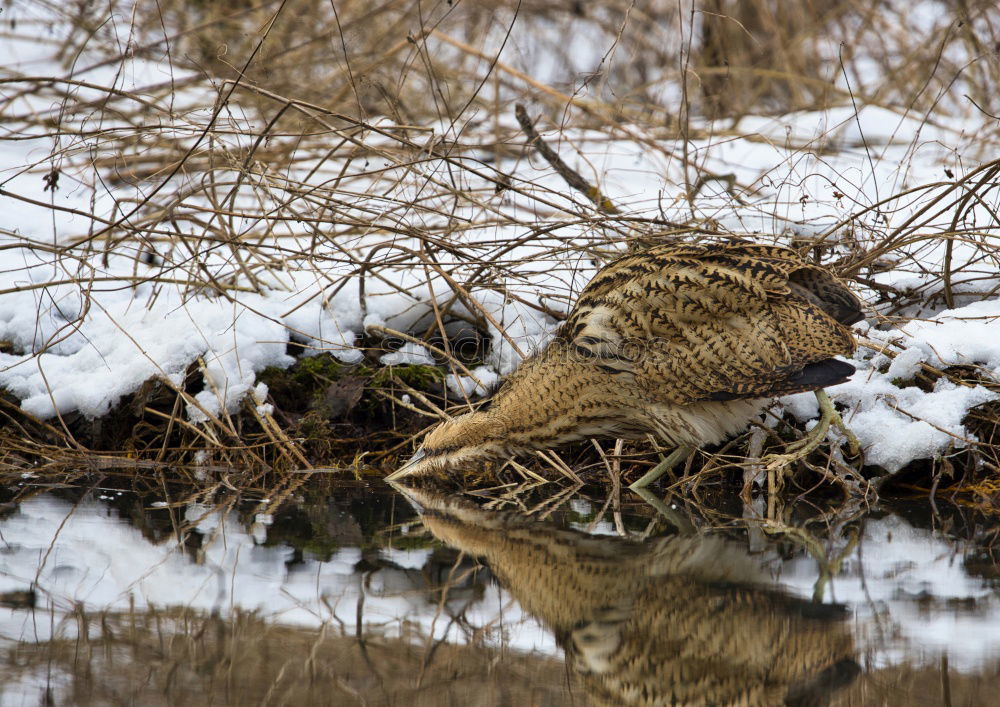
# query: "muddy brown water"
[[365, 594]]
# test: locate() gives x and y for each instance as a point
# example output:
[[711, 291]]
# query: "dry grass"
[[355, 143]]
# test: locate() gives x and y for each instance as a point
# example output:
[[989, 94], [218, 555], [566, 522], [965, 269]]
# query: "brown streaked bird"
[[686, 342], [676, 620]]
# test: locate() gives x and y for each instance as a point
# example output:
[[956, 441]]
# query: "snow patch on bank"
[[895, 420]]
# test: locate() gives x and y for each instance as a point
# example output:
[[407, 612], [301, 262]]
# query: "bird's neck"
[[536, 399], [477, 428]]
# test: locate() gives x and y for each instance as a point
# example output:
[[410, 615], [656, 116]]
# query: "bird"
[[688, 342], [671, 620]]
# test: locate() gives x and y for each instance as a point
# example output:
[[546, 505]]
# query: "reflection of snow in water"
[[85, 555], [900, 582], [912, 595]]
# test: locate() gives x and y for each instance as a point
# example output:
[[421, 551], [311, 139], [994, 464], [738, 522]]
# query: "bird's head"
[[468, 439]]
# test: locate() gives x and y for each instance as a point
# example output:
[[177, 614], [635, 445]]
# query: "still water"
[[361, 594]]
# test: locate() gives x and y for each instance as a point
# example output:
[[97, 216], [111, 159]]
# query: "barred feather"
[[687, 342]]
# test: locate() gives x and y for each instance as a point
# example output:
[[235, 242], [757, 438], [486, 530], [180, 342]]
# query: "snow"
[[87, 326], [963, 336], [896, 426], [408, 353], [906, 364], [121, 344], [482, 382]]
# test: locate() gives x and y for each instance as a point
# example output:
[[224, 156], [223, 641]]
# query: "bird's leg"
[[815, 437], [826, 404], [673, 459]]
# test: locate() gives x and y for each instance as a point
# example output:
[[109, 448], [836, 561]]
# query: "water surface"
[[358, 594]]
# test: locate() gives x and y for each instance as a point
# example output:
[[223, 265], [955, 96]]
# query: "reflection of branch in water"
[[675, 518], [431, 645], [674, 620], [826, 568], [359, 623]]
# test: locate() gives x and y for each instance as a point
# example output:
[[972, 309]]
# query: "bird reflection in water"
[[678, 620]]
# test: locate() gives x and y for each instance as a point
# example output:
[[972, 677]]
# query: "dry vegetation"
[[357, 141]]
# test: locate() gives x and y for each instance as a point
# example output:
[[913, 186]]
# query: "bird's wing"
[[713, 322]]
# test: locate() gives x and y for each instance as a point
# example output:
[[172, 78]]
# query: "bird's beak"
[[409, 467]]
